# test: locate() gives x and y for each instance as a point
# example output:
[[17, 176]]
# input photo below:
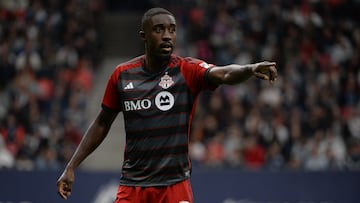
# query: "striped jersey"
[[157, 109]]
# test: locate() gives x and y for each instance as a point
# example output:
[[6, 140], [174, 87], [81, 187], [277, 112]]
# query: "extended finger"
[[273, 73], [267, 63]]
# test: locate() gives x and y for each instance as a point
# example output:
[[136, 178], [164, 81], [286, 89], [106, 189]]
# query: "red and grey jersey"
[[158, 109]]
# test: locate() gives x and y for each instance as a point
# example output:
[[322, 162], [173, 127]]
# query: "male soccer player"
[[157, 94]]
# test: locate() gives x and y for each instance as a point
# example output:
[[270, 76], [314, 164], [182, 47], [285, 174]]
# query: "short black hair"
[[152, 12]]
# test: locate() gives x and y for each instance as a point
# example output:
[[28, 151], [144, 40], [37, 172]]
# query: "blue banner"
[[209, 186]]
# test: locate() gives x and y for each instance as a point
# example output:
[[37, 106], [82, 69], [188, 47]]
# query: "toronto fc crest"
[[166, 81]]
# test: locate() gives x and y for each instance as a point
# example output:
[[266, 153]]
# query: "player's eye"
[[172, 30], [158, 29]]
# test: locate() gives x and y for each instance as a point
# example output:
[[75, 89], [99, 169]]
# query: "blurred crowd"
[[309, 119], [49, 52]]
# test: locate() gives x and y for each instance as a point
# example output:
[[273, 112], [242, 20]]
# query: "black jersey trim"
[[212, 85], [207, 75]]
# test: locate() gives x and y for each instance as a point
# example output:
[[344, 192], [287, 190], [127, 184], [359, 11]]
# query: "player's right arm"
[[235, 73], [93, 137]]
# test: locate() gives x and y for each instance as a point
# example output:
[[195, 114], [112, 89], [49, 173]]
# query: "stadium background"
[[249, 142]]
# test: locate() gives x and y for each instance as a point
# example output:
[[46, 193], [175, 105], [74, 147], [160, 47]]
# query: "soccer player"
[[157, 94]]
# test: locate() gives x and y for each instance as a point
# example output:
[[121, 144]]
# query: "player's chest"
[[158, 91]]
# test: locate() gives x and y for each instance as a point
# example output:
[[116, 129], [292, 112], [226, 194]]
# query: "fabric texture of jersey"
[[157, 109]]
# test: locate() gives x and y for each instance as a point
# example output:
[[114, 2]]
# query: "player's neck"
[[155, 65]]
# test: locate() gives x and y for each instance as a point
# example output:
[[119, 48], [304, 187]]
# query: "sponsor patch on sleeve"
[[205, 65]]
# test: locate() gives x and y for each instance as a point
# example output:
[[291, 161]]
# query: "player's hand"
[[265, 70], [64, 183]]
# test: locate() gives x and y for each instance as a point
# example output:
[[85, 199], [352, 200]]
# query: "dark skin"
[[95, 134], [159, 36]]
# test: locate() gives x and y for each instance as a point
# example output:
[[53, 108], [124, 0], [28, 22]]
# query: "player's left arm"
[[235, 73]]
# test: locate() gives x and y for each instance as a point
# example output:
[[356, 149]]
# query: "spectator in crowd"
[[6, 158]]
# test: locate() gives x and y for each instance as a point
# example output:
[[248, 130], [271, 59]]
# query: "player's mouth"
[[166, 47]]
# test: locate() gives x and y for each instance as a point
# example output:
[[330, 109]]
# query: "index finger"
[[273, 73], [267, 63]]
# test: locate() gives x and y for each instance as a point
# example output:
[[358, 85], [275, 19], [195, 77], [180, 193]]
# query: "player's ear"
[[142, 35]]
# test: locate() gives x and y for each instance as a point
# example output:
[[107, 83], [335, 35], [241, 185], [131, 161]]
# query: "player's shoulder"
[[196, 61], [176, 59], [132, 63], [189, 59]]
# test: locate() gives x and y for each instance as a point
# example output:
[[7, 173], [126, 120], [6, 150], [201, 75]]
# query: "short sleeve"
[[195, 72], [111, 99]]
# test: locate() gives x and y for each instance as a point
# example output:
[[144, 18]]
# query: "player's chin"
[[164, 56]]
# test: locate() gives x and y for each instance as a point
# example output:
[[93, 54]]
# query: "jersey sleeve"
[[111, 99], [195, 73]]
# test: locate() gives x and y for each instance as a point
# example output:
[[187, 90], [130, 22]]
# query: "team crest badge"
[[166, 81]]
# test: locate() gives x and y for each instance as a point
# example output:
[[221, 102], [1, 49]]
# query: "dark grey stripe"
[[168, 119], [157, 132], [137, 78], [162, 153], [142, 91], [150, 143]]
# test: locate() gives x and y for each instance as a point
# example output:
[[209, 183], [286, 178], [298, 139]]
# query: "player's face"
[[160, 36]]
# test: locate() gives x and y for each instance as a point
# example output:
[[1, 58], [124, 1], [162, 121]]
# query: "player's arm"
[[93, 137], [234, 73]]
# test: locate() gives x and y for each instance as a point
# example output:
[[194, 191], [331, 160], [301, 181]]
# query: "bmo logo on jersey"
[[163, 101], [137, 105]]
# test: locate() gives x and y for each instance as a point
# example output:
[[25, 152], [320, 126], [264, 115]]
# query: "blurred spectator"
[[316, 158], [233, 144], [274, 159], [253, 153], [197, 149], [47, 159], [13, 134], [6, 158], [353, 157], [49, 51], [215, 151]]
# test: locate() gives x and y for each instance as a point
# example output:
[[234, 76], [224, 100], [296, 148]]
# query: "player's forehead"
[[162, 19]]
